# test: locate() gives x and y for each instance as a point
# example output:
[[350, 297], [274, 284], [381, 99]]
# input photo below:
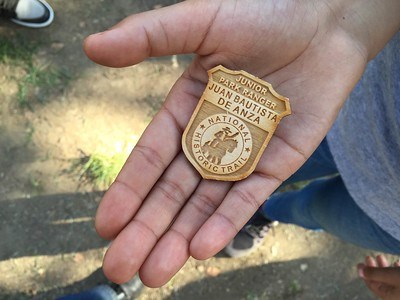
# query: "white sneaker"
[[249, 238], [31, 13]]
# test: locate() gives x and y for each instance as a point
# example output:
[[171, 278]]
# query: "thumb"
[[176, 29], [388, 275]]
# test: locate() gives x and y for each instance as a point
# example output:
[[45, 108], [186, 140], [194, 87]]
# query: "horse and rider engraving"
[[214, 150]]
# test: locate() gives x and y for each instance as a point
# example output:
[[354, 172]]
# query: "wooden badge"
[[232, 124]]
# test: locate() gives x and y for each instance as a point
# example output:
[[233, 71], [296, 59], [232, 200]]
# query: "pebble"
[[200, 268], [213, 271], [303, 267], [41, 271], [57, 46]]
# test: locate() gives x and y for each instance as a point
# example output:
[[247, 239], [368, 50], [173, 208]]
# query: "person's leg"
[[323, 204], [320, 164], [126, 291], [326, 204], [101, 292]]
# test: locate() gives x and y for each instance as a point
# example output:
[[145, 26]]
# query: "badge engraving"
[[222, 144], [232, 124]]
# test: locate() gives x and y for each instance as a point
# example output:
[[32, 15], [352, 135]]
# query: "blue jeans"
[[100, 292], [326, 204]]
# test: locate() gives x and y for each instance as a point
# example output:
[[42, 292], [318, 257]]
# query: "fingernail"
[[102, 32], [99, 33]]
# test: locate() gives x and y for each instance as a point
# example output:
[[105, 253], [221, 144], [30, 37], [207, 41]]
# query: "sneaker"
[[28, 13], [128, 290], [249, 238]]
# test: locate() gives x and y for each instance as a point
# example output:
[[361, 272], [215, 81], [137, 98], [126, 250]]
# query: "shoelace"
[[7, 8], [8, 4]]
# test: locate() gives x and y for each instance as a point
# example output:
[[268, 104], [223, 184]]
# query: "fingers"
[[145, 165], [150, 190], [370, 262], [155, 150], [153, 219], [159, 32], [382, 261], [242, 201], [172, 251], [245, 197]]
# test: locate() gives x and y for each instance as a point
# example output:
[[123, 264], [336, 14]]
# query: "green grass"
[[252, 296], [99, 169], [29, 132], [36, 185], [38, 83], [16, 51], [295, 288], [35, 82]]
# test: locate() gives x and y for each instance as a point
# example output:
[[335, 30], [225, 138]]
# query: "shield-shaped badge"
[[232, 124]]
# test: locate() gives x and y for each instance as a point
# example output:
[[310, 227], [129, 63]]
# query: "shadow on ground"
[[277, 281], [272, 281], [48, 225], [96, 278]]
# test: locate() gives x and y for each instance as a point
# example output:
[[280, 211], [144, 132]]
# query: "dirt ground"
[[48, 245]]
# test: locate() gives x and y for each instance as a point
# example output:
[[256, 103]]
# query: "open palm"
[[159, 211]]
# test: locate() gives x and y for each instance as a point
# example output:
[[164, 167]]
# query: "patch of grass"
[[36, 185], [99, 169], [252, 296], [295, 288], [38, 83], [16, 51], [29, 132], [35, 82]]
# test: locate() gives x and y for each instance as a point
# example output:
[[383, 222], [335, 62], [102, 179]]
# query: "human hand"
[[159, 211], [381, 278]]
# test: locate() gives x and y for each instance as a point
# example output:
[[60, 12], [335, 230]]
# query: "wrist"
[[370, 23]]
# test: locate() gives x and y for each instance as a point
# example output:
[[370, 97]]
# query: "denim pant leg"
[[320, 164], [100, 292], [326, 204]]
